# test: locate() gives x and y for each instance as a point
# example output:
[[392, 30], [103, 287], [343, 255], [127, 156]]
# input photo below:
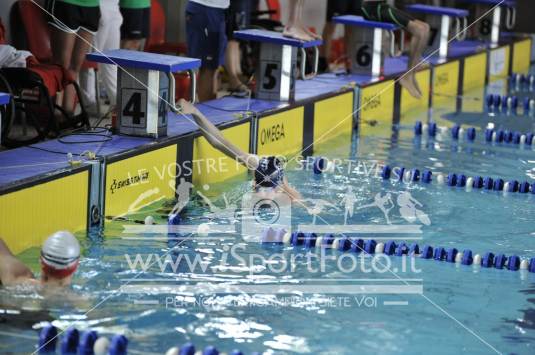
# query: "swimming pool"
[[325, 305]]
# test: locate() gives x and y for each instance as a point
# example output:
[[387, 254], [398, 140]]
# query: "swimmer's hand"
[[188, 108]]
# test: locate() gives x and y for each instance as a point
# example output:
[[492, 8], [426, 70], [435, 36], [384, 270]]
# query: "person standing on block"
[[206, 40]]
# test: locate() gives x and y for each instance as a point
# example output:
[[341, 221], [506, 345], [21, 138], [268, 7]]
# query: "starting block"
[[4, 100], [366, 49], [277, 63], [439, 19], [489, 26], [146, 88]]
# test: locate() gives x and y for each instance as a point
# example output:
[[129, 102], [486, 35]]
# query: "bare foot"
[[297, 33], [408, 83], [310, 33]]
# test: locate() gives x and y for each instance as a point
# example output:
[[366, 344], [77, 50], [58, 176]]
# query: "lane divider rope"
[[491, 135], [370, 246], [89, 343]]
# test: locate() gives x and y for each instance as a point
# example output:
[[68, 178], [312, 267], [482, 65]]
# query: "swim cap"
[[269, 172], [60, 254]]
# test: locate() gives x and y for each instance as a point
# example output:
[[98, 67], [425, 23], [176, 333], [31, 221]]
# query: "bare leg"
[[206, 84], [348, 35], [293, 28], [300, 21], [328, 33], [420, 35], [81, 47], [232, 64], [63, 44]]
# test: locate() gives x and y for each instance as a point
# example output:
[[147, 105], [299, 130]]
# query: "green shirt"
[[85, 3], [134, 4]]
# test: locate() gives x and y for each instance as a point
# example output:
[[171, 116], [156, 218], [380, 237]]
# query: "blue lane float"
[[522, 82], [118, 345], [48, 339], [466, 257], [427, 176], [507, 104], [69, 343], [91, 343], [415, 175], [319, 166], [432, 129], [87, 342]]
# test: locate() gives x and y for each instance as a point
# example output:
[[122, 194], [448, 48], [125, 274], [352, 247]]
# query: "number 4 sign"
[[132, 114], [143, 102], [146, 88]]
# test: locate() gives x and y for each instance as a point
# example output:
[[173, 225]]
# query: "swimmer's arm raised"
[[215, 138], [12, 271]]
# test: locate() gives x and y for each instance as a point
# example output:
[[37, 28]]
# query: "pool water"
[[318, 308]]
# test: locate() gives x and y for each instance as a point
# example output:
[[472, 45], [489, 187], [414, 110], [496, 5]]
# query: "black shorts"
[[238, 16], [136, 23], [382, 12], [342, 7], [72, 18]]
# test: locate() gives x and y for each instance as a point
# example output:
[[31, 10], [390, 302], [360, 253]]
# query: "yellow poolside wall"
[[521, 56], [140, 180], [333, 117], [281, 133], [210, 165], [376, 108], [28, 216]]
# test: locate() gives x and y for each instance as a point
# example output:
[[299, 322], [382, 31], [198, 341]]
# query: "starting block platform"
[[123, 173], [276, 72], [489, 14], [146, 88], [439, 19], [366, 44]]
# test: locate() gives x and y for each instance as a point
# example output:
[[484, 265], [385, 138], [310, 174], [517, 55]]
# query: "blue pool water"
[[461, 309]]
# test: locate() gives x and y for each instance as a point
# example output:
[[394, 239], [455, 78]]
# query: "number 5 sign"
[[276, 72]]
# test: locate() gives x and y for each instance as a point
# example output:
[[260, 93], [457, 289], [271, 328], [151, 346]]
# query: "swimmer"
[[59, 260], [269, 178]]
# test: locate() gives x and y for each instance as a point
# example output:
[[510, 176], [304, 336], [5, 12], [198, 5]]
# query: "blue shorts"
[[205, 34], [238, 16]]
